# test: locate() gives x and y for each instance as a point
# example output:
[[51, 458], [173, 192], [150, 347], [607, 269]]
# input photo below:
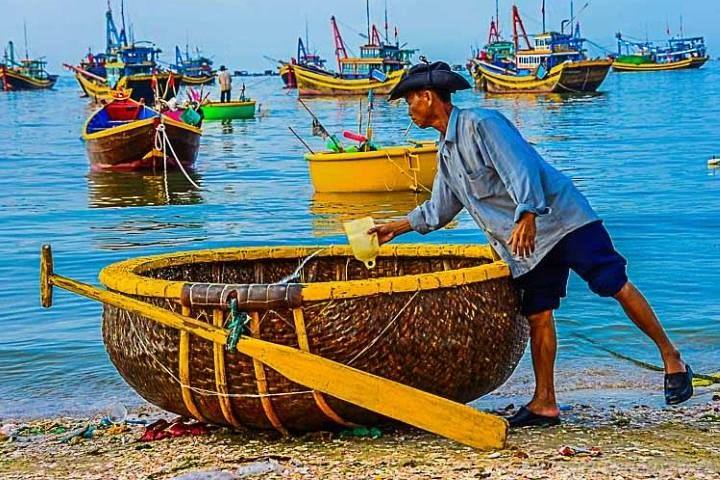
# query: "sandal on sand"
[[678, 386], [526, 418]]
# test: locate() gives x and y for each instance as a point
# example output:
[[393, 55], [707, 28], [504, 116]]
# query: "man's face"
[[420, 107]]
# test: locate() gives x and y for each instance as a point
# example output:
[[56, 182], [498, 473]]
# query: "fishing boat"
[[389, 169], [554, 62], [126, 64], [379, 67], [127, 135], [196, 70], [26, 74], [679, 53], [312, 62], [382, 322]]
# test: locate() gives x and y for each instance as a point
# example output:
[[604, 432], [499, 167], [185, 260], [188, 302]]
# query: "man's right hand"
[[388, 231]]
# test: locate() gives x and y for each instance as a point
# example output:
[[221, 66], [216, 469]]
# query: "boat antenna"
[[572, 19], [367, 12], [387, 38], [497, 17], [307, 36], [542, 9], [681, 27], [122, 14], [26, 48]]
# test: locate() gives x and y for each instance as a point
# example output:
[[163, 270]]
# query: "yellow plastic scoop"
[[365, 247]]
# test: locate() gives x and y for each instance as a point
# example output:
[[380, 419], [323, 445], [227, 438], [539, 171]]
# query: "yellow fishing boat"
[[312, 83], [379, 68], [555, 62], [680, 53], [569, 77], [397, 168], [688, 63]]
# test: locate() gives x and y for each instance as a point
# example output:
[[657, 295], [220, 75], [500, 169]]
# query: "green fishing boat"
[[229, 110]]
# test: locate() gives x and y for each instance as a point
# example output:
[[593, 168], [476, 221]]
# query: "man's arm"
[[518, 165], [433, 214]]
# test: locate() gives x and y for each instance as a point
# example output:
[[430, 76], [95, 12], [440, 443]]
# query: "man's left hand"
[[522, 238]]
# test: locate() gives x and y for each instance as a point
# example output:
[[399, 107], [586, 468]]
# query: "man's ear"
[[428, 96]]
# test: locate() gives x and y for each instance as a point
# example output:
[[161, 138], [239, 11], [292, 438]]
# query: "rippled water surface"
[[639, 151]]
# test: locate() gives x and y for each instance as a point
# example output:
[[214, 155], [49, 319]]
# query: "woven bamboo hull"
[[569, 77], [132, 147], [14, 81], [688, 63], [390, 169], [459, 341]]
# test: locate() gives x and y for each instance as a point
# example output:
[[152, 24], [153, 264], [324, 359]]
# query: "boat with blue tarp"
[[128, 135], [679, 53]]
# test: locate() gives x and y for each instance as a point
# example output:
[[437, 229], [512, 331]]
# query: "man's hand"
[[388, 231], [522, 238]]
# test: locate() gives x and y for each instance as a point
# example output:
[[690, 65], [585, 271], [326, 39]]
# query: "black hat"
[[433, 76], [222, 67]]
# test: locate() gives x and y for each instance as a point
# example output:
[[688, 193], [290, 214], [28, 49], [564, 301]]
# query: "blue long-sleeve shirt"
[[488, 168]]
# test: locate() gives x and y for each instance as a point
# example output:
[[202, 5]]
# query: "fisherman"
[[225, 81], [536, 220]]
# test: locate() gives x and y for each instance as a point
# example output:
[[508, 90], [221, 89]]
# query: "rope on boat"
[[237, 325], [411, 177], [640, 363], [162, 142]]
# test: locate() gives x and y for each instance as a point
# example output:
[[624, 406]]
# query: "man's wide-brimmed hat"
[[434, 76]]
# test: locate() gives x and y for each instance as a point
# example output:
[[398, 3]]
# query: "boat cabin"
[[550, 49], [382, 57]]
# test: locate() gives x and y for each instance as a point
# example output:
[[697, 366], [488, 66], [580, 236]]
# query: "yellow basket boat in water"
[[398, 168], [440, 318]]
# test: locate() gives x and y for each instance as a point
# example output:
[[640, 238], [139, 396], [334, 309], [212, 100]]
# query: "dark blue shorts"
[[590, 253]]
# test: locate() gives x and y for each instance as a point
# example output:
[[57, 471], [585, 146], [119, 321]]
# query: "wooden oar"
[[386, 397]]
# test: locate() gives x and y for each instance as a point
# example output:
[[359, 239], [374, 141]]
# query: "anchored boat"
[[195, 70], [379, 67], [555, 62], [677, 54], [126, 64], [26, 74], [387, 169], [127, 135], [241, 109], [311, 62]]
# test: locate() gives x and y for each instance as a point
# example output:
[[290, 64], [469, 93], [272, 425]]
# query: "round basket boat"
[[444, 319]]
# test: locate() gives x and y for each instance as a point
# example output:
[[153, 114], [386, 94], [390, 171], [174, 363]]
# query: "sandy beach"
[[608, 442]]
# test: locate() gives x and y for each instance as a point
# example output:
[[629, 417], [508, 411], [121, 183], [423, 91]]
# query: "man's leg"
[[543, 345], [641, 313]]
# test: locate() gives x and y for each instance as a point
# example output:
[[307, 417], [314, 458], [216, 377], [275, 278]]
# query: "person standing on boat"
[[537, 221], [225, 81]]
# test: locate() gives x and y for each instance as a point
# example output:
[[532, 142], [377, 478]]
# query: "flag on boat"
[[318, 130]]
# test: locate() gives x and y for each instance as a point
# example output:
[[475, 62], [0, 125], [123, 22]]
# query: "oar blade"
[[386, 397]]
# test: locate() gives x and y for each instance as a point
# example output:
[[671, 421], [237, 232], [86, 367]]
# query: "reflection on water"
[[147, 232], [140, 189], [330, 210]]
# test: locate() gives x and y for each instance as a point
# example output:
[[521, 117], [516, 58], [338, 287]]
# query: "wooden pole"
[[386, 397]]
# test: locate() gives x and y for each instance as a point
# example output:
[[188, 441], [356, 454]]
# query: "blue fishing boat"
[[126, 65], [25, 74], [195, 70], [679, 53]]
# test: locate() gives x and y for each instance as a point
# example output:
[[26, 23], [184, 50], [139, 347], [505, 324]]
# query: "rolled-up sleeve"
[[437, 212], [516, 162]]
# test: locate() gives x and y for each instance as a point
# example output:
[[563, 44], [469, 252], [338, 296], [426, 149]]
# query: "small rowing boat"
[[127, 135]]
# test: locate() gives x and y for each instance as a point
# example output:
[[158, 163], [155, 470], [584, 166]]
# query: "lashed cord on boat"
[[162, 142]]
